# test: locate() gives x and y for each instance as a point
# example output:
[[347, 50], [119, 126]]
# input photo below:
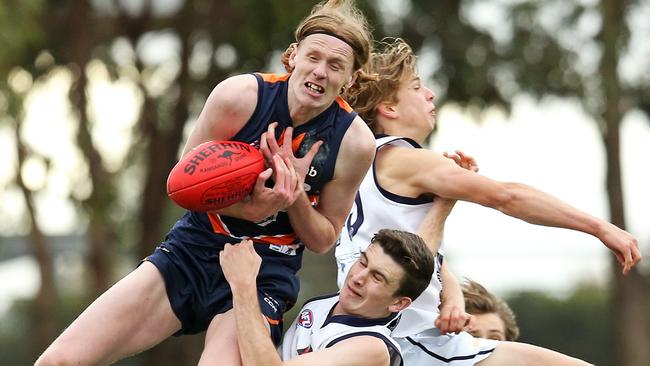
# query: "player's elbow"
[[320, 247], [505, 198]]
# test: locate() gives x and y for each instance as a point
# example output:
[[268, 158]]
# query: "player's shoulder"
[[234, 99], [408, 153], [237, 87], [359, 140]]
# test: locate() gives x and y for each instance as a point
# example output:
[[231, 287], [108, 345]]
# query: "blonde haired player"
[[405, 177]]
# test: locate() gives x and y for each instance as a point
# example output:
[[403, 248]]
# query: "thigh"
[[514, 353], [130, 317], [221, 345]]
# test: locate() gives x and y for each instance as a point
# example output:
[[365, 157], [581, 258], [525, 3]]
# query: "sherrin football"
[[214, 175]]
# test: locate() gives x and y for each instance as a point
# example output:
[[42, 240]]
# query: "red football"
[[214, 175]]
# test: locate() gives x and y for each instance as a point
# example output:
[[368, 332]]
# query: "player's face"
[[489, 326], [415, 105], [370, 285], [322, 65]]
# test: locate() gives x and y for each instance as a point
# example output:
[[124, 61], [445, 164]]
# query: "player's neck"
[[394, 128]]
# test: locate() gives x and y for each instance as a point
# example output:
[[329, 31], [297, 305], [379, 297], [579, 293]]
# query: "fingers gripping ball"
[[214, 175]]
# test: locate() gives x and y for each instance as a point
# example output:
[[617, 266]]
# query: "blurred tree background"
[[144, 68]]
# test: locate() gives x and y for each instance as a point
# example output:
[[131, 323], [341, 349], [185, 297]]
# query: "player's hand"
[[240, 264], [266, 201], [269, 147], [463, 160], [453, 319], [623, 244]]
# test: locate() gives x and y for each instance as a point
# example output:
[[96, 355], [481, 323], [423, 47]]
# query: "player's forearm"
[[255, 345], [452, 294], [315, 231], [537, 207], [244, 210], [432, 227]]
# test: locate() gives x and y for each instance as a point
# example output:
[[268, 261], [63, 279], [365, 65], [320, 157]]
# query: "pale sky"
[[555, 148]]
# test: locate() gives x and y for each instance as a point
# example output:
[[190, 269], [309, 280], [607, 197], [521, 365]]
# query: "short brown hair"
[[393, 64], [413, 255], [478, 300], [340, 19]]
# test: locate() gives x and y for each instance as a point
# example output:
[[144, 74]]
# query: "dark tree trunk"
[[44, 312], [630, 309], [100, 237], [163, 135]]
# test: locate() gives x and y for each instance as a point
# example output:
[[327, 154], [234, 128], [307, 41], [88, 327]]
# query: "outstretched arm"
[[436, 174]]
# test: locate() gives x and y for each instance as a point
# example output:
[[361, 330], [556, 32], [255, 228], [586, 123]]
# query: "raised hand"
[[266, 201], [240, 263], [623, 244], [269, 147], [453, 319], [463, 160]]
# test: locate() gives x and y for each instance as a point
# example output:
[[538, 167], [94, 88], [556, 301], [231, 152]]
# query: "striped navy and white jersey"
[[316, 328], [376, 208]]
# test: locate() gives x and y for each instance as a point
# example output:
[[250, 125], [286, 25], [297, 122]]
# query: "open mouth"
[[315, 88]]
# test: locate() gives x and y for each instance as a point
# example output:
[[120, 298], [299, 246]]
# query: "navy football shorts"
[[198, 290]]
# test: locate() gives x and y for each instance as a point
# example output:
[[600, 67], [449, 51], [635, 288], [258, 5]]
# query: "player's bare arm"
[[227, 109], [240, 264], [438, 175], [319, 228], [355, 351], [453, 317]]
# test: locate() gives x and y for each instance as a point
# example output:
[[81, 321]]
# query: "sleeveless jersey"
[[316, 328], [276, 231], [376, 208]]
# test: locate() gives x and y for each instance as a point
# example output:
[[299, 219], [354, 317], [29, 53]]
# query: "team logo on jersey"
[[306, 319]]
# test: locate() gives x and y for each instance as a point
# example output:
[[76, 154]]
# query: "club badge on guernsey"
[[306, 319]]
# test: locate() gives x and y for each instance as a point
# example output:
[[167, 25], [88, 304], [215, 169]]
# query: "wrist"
[[250, 211], [243, 288]]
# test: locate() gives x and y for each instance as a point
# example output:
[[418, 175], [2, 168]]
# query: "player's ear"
[[353, 78], [292, 55], [400, 304], [387, 110]]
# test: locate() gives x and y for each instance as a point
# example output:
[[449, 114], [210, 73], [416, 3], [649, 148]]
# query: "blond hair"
[[394, 64], [340, 19], [478, 300]]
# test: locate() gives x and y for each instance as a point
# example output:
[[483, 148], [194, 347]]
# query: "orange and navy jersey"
[[329, 126]]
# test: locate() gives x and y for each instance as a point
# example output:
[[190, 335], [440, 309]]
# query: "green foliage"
[[14, 336], [21, 35], [578, 325]]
